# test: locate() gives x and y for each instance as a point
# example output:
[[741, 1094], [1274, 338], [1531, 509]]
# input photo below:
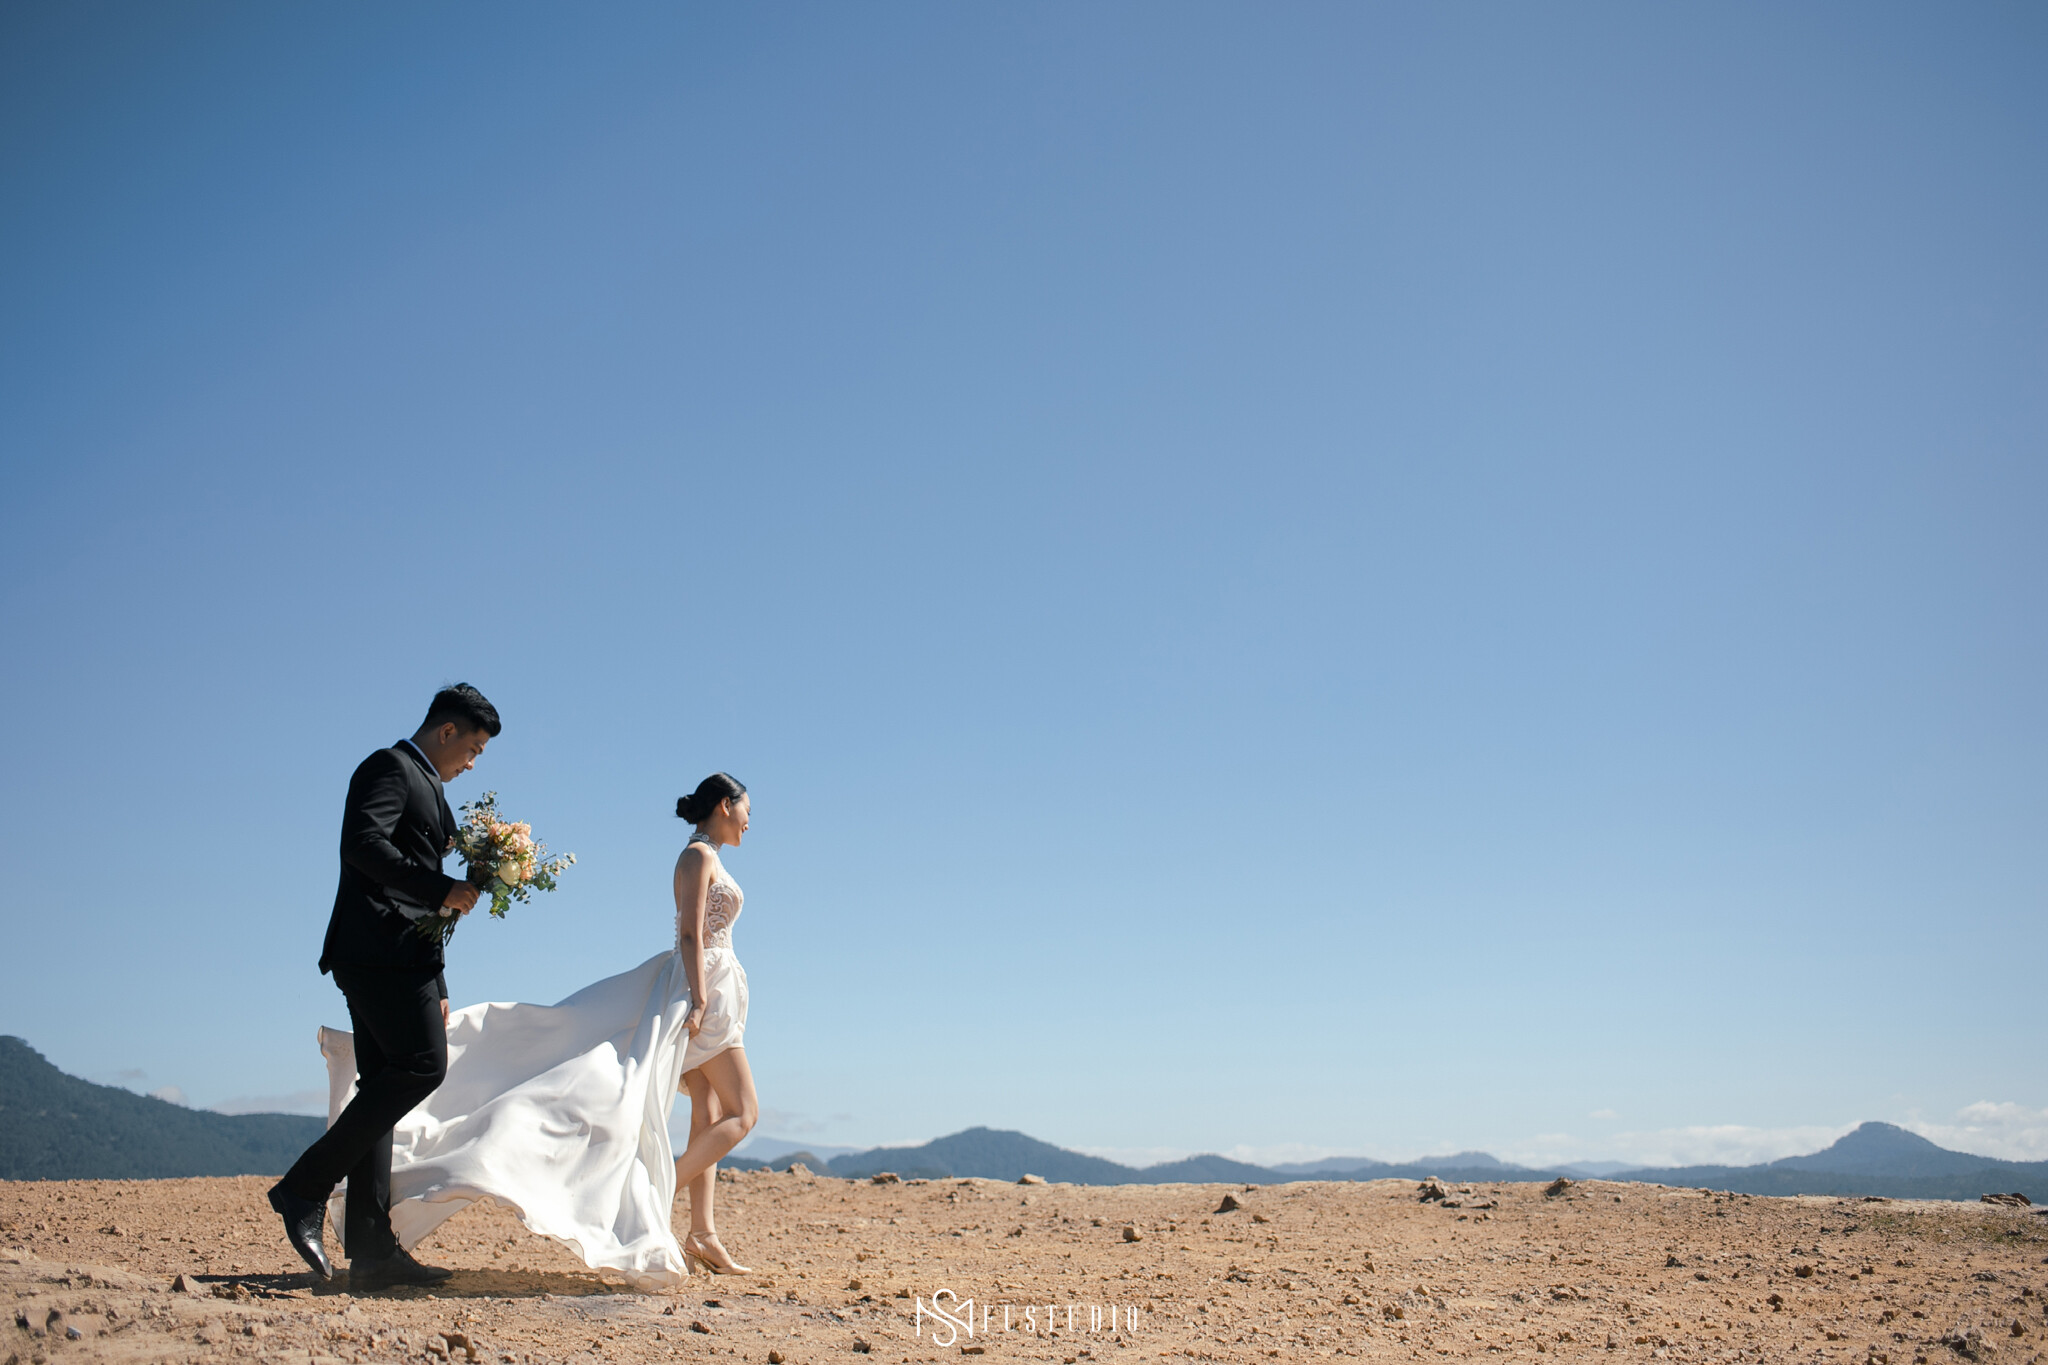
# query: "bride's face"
[[735, 815]]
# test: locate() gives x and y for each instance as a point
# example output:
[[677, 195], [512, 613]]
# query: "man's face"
[[455, 751]]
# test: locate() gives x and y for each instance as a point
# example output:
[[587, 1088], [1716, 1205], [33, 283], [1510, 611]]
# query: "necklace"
[[698, 836]]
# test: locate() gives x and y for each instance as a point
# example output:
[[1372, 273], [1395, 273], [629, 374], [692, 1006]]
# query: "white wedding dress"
[[561, 1111]]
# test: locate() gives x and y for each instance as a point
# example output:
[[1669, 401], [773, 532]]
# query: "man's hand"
[[444, 1011], [461, 896]]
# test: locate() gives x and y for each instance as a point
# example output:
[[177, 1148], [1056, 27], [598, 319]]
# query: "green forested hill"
[[57, 1127]]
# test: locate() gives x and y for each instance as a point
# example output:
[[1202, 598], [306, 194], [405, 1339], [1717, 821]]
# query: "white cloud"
[[1140, 1157], [1275, 1153], [785, 1122], [2011, 1132], [170, 1093], [1725, 1144]]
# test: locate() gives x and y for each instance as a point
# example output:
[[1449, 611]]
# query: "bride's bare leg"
[[722, 1111], [733, 1083], [704, 1112]]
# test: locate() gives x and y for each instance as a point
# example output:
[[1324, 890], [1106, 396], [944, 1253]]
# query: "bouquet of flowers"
[[503, 858]]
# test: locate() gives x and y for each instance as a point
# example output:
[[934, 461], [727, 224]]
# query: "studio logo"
[[951, 1318]]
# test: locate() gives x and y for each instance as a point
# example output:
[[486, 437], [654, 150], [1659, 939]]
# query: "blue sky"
[[1351, 578]]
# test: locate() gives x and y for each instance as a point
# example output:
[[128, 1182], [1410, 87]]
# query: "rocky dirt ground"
[[178, 1270]]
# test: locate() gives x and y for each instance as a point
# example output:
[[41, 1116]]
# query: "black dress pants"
[[401, 1057]]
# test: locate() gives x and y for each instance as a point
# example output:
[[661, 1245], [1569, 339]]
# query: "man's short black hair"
[[467, 707]]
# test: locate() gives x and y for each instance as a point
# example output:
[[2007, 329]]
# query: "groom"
[[395, 830]]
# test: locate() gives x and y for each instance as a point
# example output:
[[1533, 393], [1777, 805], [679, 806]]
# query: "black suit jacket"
[[395, 830]]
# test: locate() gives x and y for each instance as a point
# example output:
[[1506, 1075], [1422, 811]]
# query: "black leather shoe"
[[392, 1272], [304, 1224]]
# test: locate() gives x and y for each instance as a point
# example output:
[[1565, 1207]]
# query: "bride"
[[722, 1103], [561, 1111]]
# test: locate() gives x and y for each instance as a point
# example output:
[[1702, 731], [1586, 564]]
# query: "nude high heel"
[[694, 1249]]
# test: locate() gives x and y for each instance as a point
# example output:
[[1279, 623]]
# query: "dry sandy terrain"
[[1310, 1269]]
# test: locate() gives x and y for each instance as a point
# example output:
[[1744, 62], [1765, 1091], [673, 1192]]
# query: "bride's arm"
[[693, 886]]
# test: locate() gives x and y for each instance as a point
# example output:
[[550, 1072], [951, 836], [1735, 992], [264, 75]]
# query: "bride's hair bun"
[[698, 805]]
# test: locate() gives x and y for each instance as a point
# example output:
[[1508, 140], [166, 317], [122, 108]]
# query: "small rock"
[[853, 1286], [185, 1284], [2015, 1200], [796, 1168], [1030, 1180], [885, 1178], [1556, 1188], [1229, 1204], [775, 1358], [1700, 1275], [697, 1325], [860, 1346], [1673, 1263], [1096, 1222], [1432, 1189], [1970, 1344], [972, 1350], [1804, 1272], [1260, 1218], [1131, 1233]]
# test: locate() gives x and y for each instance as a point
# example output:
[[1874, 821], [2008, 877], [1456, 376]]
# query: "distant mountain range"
[[1878, 1158], [58, 1127]]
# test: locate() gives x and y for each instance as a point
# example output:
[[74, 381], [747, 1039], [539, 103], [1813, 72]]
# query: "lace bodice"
[[722, 902]]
